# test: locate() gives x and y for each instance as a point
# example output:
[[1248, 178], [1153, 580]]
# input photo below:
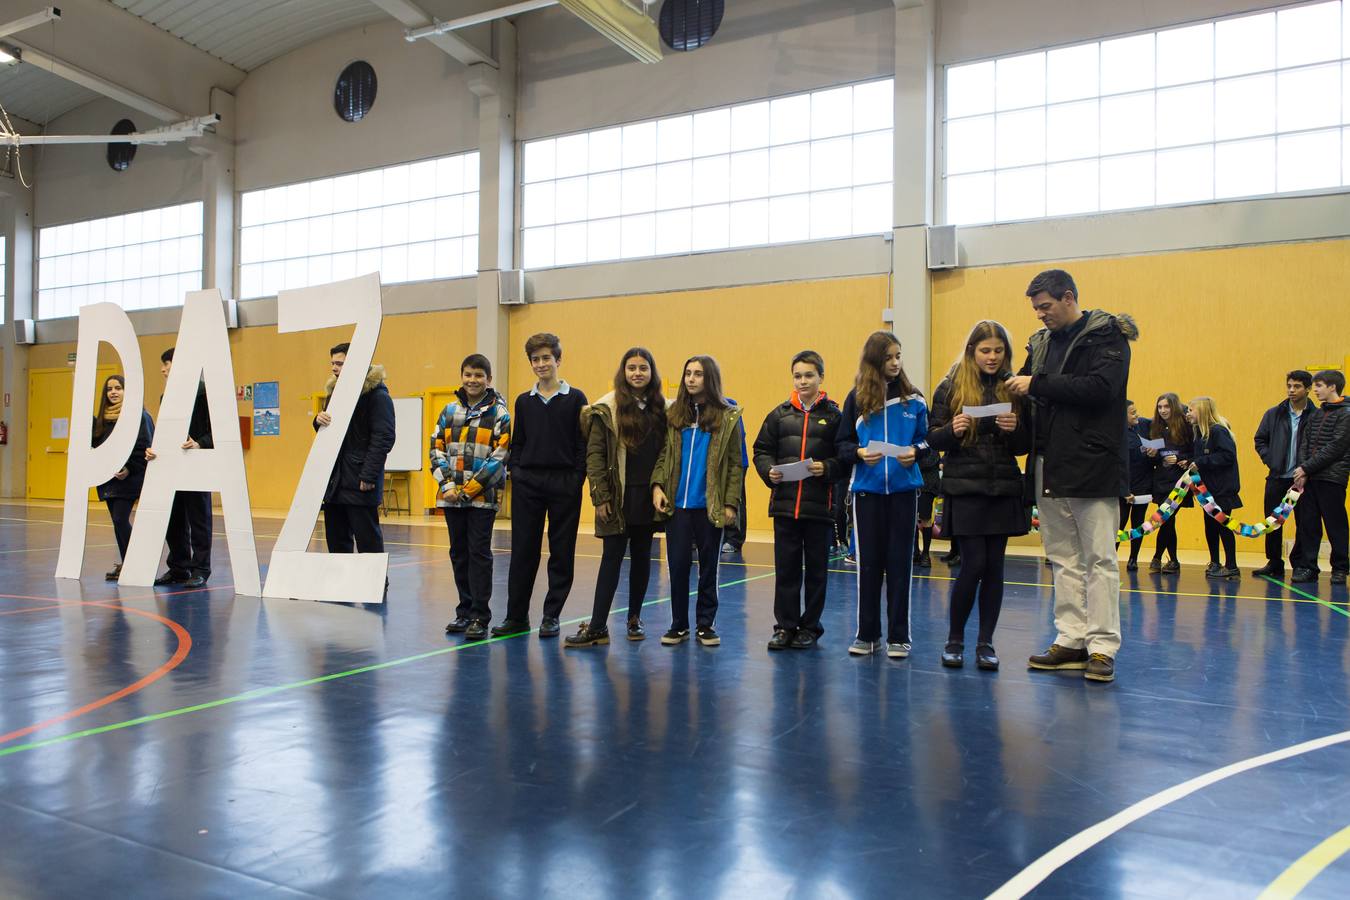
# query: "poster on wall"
[[266, 408]]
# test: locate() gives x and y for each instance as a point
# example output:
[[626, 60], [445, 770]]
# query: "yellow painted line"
[[1307, 867], [50, 549]]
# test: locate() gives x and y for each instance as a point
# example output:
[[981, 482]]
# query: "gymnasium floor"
[[197, 744]]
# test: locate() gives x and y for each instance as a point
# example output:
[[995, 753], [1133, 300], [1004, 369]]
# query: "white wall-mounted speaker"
[[942, 252], [25, 331], [511, 287]]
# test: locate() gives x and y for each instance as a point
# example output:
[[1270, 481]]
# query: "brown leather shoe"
[[1058, 657]]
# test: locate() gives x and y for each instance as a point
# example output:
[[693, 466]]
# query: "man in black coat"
[[1076, 372], [351, 504], [1322, 473], [1277, 444], [189, 534]]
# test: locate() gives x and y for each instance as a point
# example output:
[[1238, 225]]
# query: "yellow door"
[[49, 397]]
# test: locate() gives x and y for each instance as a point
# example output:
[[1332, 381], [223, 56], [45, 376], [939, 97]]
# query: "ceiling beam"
[[413, 16], [98, 84], [37, 18]]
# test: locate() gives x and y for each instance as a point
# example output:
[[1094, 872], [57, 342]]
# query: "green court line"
[[1327, 603], [259, 693]]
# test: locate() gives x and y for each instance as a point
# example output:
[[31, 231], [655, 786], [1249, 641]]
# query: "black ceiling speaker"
[[354, 94], [121, 155], [689, 24]]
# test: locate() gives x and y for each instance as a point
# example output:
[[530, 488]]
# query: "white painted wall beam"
[[413, 16]]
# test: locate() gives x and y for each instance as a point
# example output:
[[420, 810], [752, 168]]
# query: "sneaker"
[[953, 655], [1304, 576], [1338, 577], [675, 636], [782, 639], [1211, 569], [1132, 565], [851, 559], [477, 630], [1155, 566], [1229, 573], [1058, 657], [114, 574], [706, 636], [804, 639], [587, 636], [1171, 567], [727, 548], [1270, 570], [952, 560], [923, 561], [986, 658], [1100, 667], [635, 630], [458, 626], [863, 648], [508, 628], [898, 650], [548, 627]]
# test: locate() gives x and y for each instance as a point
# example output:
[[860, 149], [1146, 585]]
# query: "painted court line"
[[1028, 879], [1327, 603], [1307, 867]]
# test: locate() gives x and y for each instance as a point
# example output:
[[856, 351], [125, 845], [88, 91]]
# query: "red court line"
[[180, 654], [15, 612]]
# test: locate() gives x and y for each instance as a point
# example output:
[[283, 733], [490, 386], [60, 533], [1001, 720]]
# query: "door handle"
[[50, 450]]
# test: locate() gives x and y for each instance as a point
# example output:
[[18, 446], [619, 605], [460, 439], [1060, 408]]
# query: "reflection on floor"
[[174, 744]]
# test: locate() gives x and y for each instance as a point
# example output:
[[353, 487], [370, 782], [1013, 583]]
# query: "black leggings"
[[982, 573], [120, 510], [638, 543], [1132, 514], [1216, 534], [1167, 538]]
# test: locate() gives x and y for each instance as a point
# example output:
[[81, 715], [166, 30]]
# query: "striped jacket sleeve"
[[493, 470], [440, 462]]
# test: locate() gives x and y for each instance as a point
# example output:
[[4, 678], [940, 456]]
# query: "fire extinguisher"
[[4, 433]]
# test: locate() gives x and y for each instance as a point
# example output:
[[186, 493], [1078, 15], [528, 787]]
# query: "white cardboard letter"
[[293, 571], [202, 354], [88, 466]]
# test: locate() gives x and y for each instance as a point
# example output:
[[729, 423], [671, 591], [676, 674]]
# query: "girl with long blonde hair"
[[1215, 455]]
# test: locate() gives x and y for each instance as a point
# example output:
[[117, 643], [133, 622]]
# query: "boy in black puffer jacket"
[[801, 428], [1322, 473]]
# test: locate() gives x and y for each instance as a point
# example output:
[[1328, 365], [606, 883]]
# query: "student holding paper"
[[982, 481], [1132, 510], [1215, 456], [882, 431], [1169, 464], [697, 482], [798, 439]]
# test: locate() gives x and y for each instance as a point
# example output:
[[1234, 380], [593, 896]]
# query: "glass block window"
[[141, 260], [798, 168], [412, 222], [1247, 106]]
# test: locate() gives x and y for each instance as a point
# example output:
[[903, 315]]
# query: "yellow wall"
[[751, 331], [1227, 323]]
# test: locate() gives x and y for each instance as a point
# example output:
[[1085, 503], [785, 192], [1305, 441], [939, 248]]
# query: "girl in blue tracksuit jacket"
[[884, 406]]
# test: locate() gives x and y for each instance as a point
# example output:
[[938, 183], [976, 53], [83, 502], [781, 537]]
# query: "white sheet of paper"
[[983, 412], [798, 471], [884, 448], [1143, 499], [1155, 444]]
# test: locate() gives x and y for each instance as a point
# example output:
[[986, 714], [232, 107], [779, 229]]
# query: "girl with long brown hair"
[[982, 482], [883, 409], [697, 482], [121, 492], [1170, 463], [625, 431]]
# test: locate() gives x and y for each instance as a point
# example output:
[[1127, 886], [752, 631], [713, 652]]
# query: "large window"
[[141, 260], [797, 168], [1240, 107], [411, 222]]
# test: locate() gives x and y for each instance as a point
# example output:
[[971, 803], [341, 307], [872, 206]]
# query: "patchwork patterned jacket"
[[469, 449]]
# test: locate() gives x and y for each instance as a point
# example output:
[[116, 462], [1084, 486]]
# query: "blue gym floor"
[[160, 743]]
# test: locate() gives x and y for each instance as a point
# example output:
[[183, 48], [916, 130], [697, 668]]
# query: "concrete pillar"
[[16, 223], [495, 89], [911, 287]]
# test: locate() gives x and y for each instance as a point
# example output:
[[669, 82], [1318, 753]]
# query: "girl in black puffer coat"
[[981, 481], [1215, 455], [1170, 463], [121, 492]]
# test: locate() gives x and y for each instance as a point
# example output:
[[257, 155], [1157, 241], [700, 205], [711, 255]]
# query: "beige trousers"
[[1080, 539]]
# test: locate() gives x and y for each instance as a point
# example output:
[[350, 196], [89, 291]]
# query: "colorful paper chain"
[[1190, 481]]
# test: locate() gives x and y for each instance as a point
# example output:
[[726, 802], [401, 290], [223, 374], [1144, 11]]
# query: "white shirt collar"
[[563, 388]]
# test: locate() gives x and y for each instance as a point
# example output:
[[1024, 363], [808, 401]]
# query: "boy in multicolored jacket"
[[468, 460]]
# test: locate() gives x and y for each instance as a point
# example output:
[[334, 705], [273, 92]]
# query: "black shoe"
[[1132, 565], [171, 578], [706, 636], [1211, 569], [923, 561], [476, 631], [458, 626], [1338, 577], [986, 658], [1171, 567], [114, 574], [1048, 563], [953, 560], [508, 628], [782, 639], [949, 556], [675, 636], [1270, 570], [1303, 576], [195, 581], [586, 636], [635, 630], [1100, 667], [953, 655], [1229, 573], [804, 639], [1155, 566], [1058, 657], [548, 627]]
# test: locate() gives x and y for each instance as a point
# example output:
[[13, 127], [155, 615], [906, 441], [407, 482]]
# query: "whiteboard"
[[409, 453]]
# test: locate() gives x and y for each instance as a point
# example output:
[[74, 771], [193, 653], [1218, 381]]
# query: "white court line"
[[1029, 878]]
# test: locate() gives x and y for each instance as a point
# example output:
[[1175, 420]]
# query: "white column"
[[911, 293], [217, 152], [496, 92], [16, 221]]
